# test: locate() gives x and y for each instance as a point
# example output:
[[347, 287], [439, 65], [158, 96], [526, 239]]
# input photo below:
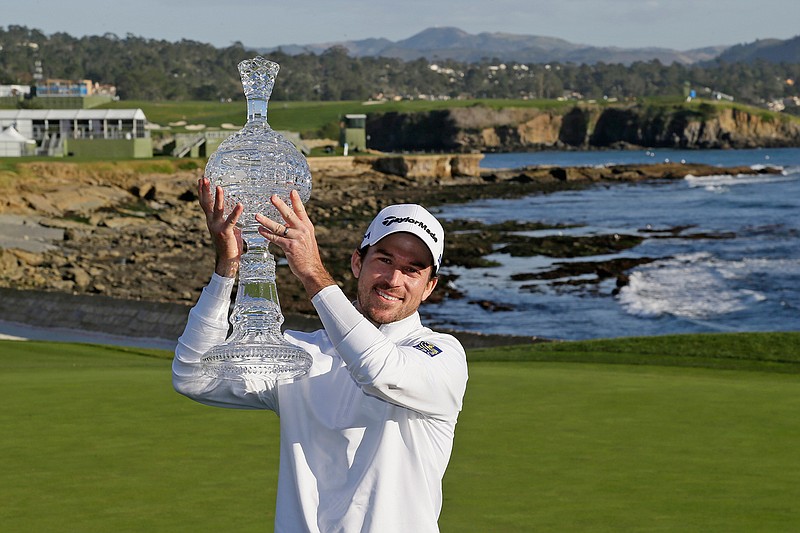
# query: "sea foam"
[[695, 286], [727, 180]]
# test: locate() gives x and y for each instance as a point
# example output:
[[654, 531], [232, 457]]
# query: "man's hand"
[[226, 236], [297, 240]]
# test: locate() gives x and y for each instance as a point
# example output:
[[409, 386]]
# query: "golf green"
[[95, 439]]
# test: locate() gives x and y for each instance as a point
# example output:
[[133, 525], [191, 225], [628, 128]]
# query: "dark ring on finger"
[[286, 231]]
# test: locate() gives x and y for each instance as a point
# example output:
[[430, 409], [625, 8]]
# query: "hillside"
[[770, 50]]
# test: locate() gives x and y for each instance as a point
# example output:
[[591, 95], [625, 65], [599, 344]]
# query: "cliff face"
[[507, 130]]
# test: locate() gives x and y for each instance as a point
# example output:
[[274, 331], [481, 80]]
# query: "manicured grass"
[[309, 117], [610, 448], [94, 439], [766, 351], [599, 436], [302, 116]]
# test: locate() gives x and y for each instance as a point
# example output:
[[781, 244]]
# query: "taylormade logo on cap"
[[410, 218], [388, 221]]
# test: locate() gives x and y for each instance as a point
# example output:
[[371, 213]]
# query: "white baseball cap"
[[411, 218]]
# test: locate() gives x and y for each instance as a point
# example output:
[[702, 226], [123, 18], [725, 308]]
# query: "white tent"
[[14, 144]]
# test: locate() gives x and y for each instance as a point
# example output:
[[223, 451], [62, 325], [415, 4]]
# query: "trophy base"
[[257, 360]]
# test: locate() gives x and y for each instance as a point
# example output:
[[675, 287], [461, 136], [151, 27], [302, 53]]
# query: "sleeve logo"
[[428, 348]]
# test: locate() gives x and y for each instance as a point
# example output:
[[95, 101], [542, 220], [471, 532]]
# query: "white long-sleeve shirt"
[[366, 435]]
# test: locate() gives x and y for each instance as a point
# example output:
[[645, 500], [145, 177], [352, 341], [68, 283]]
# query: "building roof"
[[72, 114]]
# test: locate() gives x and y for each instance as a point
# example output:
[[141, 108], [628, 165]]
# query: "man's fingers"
[[295, 218], [270, 234], [233, 218], [267, 223], [281, 206], [203, 193], [297, 204], [296, 212], [219, 199]]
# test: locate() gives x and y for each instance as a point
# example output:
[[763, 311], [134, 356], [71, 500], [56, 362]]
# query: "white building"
[[58, 132]]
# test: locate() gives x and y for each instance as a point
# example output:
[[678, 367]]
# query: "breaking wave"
[[721, 181], [700, 286]]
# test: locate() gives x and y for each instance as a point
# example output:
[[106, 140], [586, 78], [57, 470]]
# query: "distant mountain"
[[772, 50], [362, 48], [456, 44]]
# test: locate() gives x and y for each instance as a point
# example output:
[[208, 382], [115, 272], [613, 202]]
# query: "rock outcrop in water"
[[582, 127]]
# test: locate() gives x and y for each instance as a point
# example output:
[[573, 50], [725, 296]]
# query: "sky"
[[676, 24]]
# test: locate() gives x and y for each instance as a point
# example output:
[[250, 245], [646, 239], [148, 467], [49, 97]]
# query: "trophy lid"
[[258, 77]]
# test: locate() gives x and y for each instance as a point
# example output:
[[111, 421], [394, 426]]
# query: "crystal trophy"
[[251, 165]]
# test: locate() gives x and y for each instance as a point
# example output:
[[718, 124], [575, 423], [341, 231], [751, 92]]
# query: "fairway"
[[95, 439], [582, 447], [305, 117]]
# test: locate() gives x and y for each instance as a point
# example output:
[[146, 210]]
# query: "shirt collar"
[[401, 329]]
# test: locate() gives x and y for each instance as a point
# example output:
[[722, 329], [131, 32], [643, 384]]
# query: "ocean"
[[726, 251]]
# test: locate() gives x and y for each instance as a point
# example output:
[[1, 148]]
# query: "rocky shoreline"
[[138, 236], [582, 127]]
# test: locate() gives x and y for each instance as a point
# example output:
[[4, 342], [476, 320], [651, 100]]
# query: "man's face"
[[394, 277]]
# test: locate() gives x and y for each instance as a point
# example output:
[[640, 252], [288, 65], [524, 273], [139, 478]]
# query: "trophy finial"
[[258, 77]]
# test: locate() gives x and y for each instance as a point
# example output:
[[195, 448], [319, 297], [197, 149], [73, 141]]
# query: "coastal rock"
[[84, 200], [130, 244], [146, 191], [9, 264], [27, 258], [586, 126], [415, 167], [419, 168], [494, 307], [569, 173], [40, 204], [544, 129], [79, 276]]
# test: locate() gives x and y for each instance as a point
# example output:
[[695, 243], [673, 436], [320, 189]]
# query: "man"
[[367, 434]]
